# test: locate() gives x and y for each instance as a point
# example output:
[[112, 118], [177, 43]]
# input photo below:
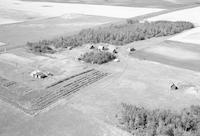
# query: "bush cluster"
[[143, 122], [41, 47], [115, 34], [97, 57]]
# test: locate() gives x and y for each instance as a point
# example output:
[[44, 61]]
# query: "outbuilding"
[[131, 49], [112, 49], [90, 46], [101, 47], [38, 74], [174, 87]]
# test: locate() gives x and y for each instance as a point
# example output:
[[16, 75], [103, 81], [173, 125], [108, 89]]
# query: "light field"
[[190, 36], [7, 21], [191, 15], [49, 9], [166, 4]]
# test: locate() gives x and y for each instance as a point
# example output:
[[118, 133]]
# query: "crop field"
[[32, 101], [177, 54], [191, 36], [48, 9], [168, 4], [190, 15]]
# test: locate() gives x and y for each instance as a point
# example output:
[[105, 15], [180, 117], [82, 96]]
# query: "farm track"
[[71, 87]]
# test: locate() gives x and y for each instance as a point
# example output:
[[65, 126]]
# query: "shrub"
[[40, 47], [122, 34], [132, 21], [141, 121], [97, 57]]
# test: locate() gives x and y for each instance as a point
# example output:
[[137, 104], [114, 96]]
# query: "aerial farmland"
[[99, 68]]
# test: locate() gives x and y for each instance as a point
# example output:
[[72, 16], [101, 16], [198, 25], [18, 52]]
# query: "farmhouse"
[[38, 74]]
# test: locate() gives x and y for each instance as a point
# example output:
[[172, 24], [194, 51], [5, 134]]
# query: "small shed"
[[69, 47], [101, 48], [112, 49], [131, 49], [38, 74], [90, 46], [116, 60], [174, 87]]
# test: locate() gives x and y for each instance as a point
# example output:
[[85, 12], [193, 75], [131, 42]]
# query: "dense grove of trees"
[[97, 57], [115, 34], [143, 122]]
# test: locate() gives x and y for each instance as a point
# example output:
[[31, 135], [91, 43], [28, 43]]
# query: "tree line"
[[114, 34], [144, 122]]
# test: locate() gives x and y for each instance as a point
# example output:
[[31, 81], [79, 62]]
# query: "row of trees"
[[97, 57], [143, 122], [115, 34]]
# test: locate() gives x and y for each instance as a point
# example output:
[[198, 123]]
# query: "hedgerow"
[[115, 34], [144, 122]]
